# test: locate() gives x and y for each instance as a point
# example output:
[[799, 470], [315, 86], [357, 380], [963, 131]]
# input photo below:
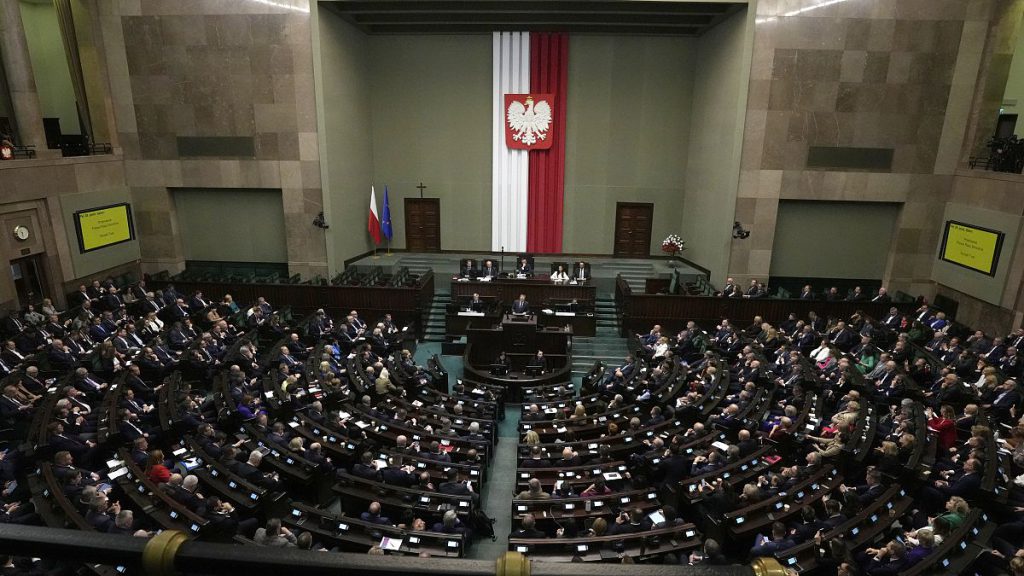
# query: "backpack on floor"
[[481, 524]]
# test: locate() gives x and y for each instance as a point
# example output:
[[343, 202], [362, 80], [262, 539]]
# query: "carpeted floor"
[[497, 494]]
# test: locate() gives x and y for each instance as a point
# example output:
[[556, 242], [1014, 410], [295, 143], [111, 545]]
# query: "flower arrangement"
[[673, 244]]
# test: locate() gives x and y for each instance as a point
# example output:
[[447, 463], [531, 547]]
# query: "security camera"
[[319, 222], [738, 232]]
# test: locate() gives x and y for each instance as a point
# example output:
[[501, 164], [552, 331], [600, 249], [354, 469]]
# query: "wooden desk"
[[406, 305], [538, 290], [641, 311]]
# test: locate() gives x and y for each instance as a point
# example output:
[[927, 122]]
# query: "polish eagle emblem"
[[528, 121]]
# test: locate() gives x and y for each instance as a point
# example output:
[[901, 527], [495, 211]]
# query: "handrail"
[[168, 554]]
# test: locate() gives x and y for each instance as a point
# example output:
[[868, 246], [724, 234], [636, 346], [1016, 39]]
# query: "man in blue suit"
[[521, 306]]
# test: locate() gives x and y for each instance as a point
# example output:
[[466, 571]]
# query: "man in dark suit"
[[1016, 339], [1008, 397], [521, 306], [11, 355], [581, 274], [488, 269], [888, 560], [731, 290], [54, 328], [100, 513], [10, 407], [112, 301], [870, 490], [79, 297], [995, 353], [528, 528], [892, 321], [833, 515], [179, 311], [81, 451], [396, 473], [844, 338], [780, 541], [365, 468], [373, 515], [197, 302], [467, 270], [807, 293], [536, 459], [60, 356], [628, 523], [186, 494], [857, 295], [524, 267], [882, 297], [455, 487], [1011, 363], [251, 472], [569, 459], [475, 303]]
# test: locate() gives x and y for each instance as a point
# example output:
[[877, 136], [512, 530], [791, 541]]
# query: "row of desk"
[[540, 292]]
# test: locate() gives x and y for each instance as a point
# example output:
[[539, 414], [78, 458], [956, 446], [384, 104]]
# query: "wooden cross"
[[421, 188]]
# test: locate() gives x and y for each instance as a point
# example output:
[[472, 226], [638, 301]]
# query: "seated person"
[[502, 364], [779, 541], [581, 273], [468, 270], [524, 267], [488, 270], [373, 515], [559, 275], [538, 363], [534, 492], [528, 528], [476, 304]]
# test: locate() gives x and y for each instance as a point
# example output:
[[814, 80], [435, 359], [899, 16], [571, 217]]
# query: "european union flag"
[[385, 221]]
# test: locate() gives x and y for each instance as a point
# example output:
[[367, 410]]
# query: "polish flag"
[[373, 224]]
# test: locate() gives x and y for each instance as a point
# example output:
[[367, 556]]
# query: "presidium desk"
[[542, 294]]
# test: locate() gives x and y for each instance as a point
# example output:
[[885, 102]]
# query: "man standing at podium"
[[521, 306]]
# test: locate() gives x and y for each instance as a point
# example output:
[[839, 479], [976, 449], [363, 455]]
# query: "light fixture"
[[296, 5], [798, 11]]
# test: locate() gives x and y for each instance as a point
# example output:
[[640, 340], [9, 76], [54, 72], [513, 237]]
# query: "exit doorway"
[[30, 282]]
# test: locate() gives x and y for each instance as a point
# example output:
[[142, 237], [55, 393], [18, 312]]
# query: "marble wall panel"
[[216, 68]]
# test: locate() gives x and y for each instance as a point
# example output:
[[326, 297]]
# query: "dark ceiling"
[[664, 17]]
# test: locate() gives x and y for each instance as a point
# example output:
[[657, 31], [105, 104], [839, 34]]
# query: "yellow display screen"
[[971, 247], [101, 227]]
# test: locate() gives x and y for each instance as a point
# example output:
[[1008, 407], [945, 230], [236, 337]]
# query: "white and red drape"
[[528, 185]]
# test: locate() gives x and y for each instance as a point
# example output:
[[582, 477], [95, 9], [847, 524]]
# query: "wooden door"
[[30, 279], [633, 228], [423, 224]]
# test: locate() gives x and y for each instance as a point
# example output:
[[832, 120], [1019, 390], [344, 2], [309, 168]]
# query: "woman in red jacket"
[[155, 469], [944, 426]]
